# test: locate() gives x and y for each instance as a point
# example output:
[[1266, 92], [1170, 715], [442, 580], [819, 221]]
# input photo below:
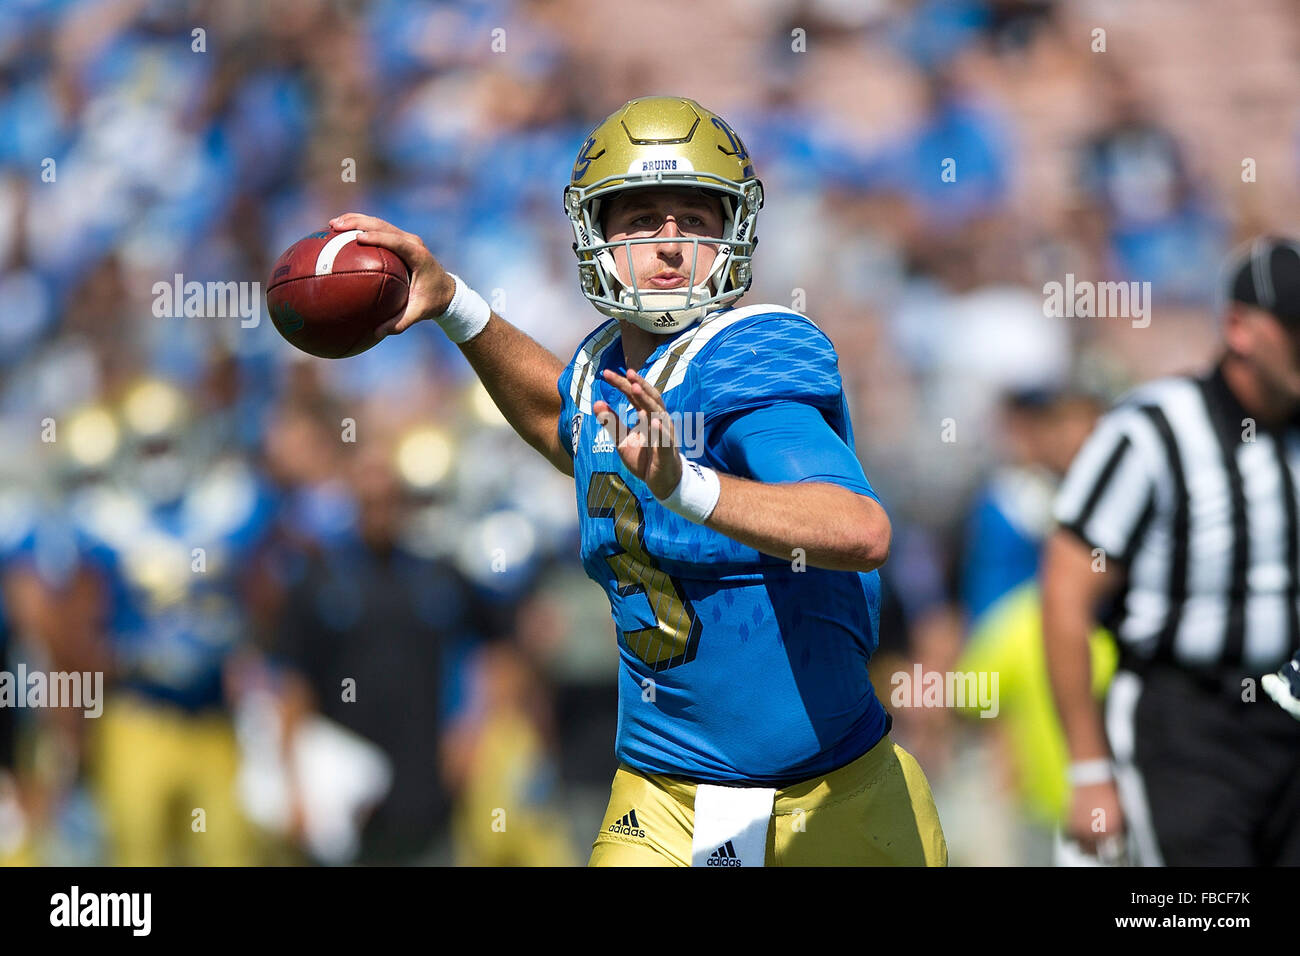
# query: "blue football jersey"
[[172, 576], [735, 666]]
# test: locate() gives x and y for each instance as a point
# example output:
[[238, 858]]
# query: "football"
[[328, 293]]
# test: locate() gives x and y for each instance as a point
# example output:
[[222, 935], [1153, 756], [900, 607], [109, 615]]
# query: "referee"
[[1179, 531]]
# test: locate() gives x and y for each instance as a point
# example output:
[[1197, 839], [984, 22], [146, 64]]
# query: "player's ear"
[[1237, 331]]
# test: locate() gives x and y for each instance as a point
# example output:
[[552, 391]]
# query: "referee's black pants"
[[1204, 778]]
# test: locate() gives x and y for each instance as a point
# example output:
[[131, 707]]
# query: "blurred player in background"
[[499, 752], [52, 603], [171, 543], [741, 578], [1042, 431]]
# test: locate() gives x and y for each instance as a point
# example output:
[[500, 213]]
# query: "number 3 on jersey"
[[673, 639]]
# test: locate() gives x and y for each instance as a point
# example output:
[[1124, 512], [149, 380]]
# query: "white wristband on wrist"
[[696, 495], [1083, 773], [467, 314]]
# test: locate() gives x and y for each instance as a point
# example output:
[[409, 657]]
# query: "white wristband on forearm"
[[466, 316], [696, 495], [1083, 773]]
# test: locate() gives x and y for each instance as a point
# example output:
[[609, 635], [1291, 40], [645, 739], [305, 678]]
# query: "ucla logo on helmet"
[[585, 159]]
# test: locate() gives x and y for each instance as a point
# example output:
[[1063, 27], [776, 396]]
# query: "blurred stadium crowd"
[[338, 604]]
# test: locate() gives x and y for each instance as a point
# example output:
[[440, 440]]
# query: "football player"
[[722, 509], [172, 545]]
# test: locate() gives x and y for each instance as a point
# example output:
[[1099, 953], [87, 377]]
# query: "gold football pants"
[[875, 811], [156, 767]]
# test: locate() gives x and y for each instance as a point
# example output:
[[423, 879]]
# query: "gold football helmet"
[[664, 141]]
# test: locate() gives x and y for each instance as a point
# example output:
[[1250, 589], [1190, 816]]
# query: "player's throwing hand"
[[648, 449], [431, 288]]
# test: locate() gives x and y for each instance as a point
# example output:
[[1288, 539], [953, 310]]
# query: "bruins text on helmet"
[[664, 141]]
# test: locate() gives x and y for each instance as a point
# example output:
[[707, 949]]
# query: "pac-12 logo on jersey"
[[575, 429]]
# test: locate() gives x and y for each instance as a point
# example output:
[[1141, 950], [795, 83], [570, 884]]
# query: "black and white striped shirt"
[[1199, 506]]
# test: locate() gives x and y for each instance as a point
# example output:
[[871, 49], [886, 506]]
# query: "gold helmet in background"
[[664, 141]]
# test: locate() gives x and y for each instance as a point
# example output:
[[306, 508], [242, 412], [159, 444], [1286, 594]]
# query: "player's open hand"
[[431, 287], [649, 447]]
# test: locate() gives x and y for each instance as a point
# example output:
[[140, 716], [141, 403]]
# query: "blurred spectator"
[[956, 163], [1157, 223], [372, 638]]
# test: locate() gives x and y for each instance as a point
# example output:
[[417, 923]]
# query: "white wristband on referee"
[[1083, 773], [467, 314], [696, 495]]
